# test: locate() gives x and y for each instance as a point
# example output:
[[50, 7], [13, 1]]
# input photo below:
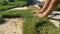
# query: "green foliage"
[[13, 2], [7, 4], [11, 5], [2, 8], [19, 3], [17, 13], [58, 7], [36, 25], [32, 24], [2, 2]]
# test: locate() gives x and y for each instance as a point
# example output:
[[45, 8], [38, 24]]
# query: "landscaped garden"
[[32, 24]]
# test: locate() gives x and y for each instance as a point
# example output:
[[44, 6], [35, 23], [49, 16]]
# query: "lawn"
[[32, 24], [3, 8], [8, 4]]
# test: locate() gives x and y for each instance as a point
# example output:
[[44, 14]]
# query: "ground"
[[14, 25], [11, 26], [55, 18]]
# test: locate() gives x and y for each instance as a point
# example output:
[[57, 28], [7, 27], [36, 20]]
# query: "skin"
[[53, 4], [47, 2]]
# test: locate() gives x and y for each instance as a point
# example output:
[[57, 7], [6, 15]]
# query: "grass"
[[10, 5], [15, 13], [32, 24], [58, 7], [18, 3], [3, 8], [36, 25]]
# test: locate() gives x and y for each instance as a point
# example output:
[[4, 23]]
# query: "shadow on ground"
[[53, 15], [2, 21]]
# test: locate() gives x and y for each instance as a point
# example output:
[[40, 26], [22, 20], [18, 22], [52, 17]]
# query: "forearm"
[[47, 2], [52, 6]]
